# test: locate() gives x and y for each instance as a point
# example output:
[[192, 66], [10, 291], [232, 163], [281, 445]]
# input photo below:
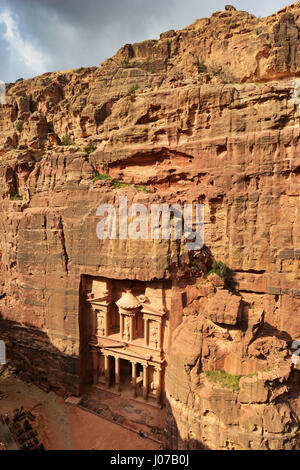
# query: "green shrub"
[[20, 80], [214, 69], [202, 68], [228, 380], [224, 379], [224, 73], [194, 266], [16, 197], [19, 126], [90, 148], [133, 89], [155, 431], [79, 70], [46, 81], [142, 189], [227, 76], [66, 140], [100, 177], [220, 269], [119, 185], [125, 63]]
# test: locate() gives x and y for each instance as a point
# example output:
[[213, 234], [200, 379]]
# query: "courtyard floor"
[[64, 427]]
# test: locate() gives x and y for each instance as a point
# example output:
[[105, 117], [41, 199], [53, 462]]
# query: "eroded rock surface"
[[205, 115]]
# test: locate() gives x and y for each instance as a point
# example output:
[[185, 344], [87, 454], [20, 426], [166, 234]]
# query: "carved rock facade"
[[197, 116]]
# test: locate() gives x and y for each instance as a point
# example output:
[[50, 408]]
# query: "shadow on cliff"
[[30, 351], [265, 330], [173, 438], [270, 330]]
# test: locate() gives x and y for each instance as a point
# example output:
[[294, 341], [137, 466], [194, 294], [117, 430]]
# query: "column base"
[[145, 394]]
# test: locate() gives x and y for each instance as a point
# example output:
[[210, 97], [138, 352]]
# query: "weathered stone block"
[[224, 307]]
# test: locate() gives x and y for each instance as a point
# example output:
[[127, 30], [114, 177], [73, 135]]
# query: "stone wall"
[[223, 132]]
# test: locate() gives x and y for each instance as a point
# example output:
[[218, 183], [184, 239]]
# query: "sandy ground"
[[64, 427], [136, 414]]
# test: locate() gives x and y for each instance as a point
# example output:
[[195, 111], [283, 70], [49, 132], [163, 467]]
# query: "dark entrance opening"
[[125, 375], [112, 375]]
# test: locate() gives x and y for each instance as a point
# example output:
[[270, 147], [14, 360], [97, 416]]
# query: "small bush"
[[224, 379], [133, 89], [227, 76], [46, 81], [16, 197], [100, 177], [201, 283], [20, 80], [224, 73], [90, 148], [19, 126], [142, 189], [155, 431], [220, 269], [66, 140], [202, 68], [79, 70], [194, 266], [119, 185], [214, 69], [125, 63], [106, 178]]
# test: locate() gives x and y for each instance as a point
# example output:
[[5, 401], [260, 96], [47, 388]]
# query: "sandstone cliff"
[[208, 114]]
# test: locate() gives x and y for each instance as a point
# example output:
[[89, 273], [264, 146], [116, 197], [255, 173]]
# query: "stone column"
[[145, 381], [131, 327], [106, 371], [106, 323], [121, 326], [133, 364], [94, 327], [95, 367], [159, 385], [146, 332], [117, 373]]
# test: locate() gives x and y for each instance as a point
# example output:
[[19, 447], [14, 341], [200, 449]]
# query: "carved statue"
[[154, 383], [100, 325], [154, 334]]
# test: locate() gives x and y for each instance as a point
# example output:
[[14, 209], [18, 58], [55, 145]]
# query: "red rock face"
[[203, 115]]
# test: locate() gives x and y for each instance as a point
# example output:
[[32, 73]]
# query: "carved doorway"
[[125, 375]]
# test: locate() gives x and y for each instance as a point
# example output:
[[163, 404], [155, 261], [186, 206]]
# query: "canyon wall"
[[207, 114]]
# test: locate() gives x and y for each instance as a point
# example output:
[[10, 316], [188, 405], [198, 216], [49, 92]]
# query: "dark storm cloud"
[[47, 35]]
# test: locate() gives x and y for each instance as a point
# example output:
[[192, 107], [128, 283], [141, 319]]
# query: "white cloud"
[[22, 49], [42, 36]]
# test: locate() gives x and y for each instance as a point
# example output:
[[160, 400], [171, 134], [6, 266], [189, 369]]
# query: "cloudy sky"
[[38, 36]]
